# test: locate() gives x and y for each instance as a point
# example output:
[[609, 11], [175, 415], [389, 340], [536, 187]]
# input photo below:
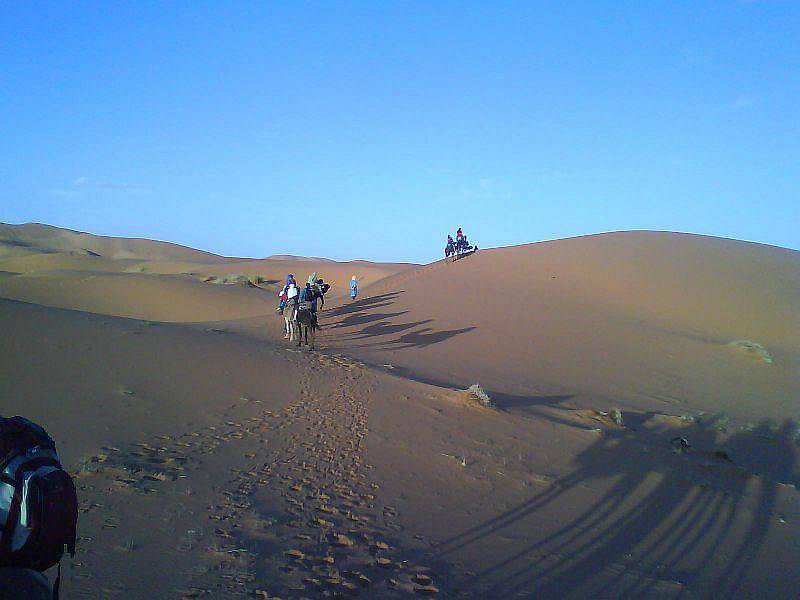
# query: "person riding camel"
[[309, 294], [450, 248], [283, 293], [290, 303], [291, 293], [460, 237]]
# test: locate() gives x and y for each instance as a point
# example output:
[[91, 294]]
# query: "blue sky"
[[371, 129]]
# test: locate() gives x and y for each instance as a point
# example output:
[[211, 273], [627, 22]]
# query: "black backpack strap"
[[57, 583], [13, 516], [16, 501], [10, 455]]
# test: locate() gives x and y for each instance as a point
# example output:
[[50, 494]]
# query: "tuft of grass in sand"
[[229, 280], [88, 467], [480, 396], [614, 415], [127, 546]]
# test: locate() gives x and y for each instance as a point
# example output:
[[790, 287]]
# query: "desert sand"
[[642, 438]]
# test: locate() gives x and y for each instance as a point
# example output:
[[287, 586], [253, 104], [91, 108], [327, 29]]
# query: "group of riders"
[[309, 296], [458, 247], [298, 305]]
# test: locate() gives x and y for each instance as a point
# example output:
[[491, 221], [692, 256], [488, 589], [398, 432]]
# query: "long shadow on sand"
[[511, 401], [364, 304], [668, 518], [379, 324]]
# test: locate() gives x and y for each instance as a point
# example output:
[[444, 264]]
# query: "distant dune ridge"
[[33, 238], [614, 415], [70, 269]]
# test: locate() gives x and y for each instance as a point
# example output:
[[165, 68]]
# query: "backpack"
[[38, 503]]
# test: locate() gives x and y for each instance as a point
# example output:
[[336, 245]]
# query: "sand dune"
[[57, 261], [274, 271], [642, 319], [162, 281], [167, 298], [46, 238], [221, 462]]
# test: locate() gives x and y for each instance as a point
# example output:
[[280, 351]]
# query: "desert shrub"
[[228, 280], [752, 348], [477, 392]]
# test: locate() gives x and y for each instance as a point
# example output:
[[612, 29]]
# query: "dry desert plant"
[[480, 395]]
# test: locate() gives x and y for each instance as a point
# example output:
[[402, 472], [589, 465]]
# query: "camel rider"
[[289, 301], [450, 248], [289, 282], [283, 293], [291, 293], [307, 295], [282, 303], [460, 239], [310, 295]]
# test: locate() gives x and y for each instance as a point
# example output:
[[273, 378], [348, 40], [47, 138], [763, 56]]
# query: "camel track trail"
[[335, 534], [288, 507]]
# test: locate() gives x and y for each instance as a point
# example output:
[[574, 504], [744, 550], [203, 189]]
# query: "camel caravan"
[[299, 308], [459, 248]]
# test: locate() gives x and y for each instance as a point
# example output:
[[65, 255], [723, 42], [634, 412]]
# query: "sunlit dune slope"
[[36, 238], [31, 262], [639, 318]]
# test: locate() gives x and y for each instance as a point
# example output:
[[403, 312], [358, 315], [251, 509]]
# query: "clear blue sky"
[[371, 129]]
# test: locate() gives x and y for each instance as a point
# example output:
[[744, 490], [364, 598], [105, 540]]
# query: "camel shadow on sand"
[[664, 520], [379, 325]]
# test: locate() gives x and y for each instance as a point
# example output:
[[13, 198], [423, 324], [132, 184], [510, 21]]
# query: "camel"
[[290, 321], [306, 322]]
